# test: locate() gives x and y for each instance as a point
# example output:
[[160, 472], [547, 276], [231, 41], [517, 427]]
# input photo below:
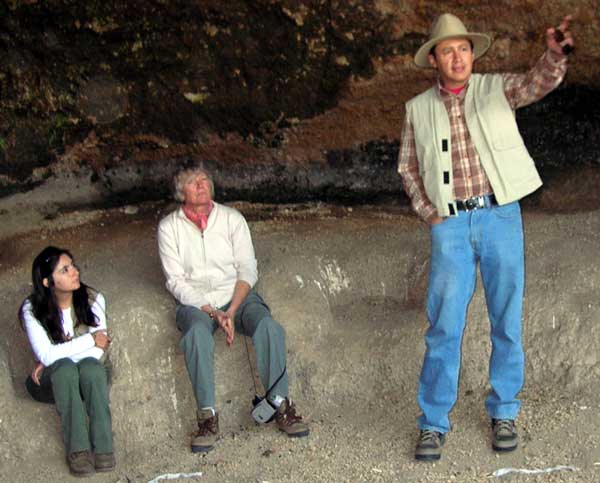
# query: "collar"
[[444, 92], [198, 219]]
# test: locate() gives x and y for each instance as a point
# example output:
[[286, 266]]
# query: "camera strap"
[[254, 376]]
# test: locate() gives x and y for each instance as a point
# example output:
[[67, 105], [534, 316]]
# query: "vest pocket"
[[515, 165]]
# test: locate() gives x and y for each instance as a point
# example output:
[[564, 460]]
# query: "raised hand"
[[559, 39]]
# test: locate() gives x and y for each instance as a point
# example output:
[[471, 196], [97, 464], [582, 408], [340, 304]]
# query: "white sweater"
[[77, 348], [203, 268]]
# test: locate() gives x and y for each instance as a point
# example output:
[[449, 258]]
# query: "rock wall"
[[284, 100], [353, 317]]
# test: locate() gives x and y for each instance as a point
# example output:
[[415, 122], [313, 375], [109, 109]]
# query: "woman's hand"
[[37, 372], [226, 323], [101, 339]]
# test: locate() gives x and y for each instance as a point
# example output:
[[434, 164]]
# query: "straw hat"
[[448, 26]]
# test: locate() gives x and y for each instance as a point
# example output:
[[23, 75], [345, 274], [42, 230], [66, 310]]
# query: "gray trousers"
[[252, 319]]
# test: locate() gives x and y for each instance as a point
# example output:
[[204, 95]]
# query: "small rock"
[[130, 210]]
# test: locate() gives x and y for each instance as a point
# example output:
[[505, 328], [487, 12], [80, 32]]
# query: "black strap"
[[275, 383], [254, 376]]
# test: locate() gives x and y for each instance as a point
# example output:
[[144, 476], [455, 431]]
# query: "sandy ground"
[[355, 382]]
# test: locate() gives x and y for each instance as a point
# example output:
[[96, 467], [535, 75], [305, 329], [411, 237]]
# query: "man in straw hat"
[[465, 166]]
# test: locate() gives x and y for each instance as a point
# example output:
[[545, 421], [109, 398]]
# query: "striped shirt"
[[468, 174]]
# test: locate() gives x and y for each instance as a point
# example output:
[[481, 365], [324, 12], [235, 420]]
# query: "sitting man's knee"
[[201, 327], [271, 325], [190, 318], [198, 333]]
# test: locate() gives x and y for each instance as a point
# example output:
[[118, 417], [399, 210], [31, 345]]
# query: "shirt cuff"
[[248, 277], [430, 215]]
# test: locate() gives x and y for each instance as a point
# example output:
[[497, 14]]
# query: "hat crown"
[[448, 25]]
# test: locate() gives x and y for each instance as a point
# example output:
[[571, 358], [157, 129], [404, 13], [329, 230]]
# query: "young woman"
[[66, 325]]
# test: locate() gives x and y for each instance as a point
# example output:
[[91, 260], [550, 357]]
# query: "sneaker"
[[289, 422], [204, 439], [429, 446], [504, 435], [80, 463], [104, 462]]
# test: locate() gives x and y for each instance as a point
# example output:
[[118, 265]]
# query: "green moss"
[[56, 131]]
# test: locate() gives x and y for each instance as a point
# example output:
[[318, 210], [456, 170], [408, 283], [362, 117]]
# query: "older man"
[[208, 260], [465, 166]]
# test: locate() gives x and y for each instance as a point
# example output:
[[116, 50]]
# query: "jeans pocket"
[[436, 228], [510, 210], [446, 222]]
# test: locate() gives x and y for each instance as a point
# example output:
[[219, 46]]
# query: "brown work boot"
[[80, 463], [104, 462], [289, 422], [205, 437]]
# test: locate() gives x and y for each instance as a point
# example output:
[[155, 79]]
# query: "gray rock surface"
[[348, 285]]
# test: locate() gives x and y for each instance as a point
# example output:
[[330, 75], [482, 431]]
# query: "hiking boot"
[[80, 463], [204, 439], [289, 422], [104, 462], [429, 446], [504, 435]]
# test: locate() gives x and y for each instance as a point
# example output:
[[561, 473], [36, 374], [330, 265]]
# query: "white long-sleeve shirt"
[[202, 268], [77, 348]]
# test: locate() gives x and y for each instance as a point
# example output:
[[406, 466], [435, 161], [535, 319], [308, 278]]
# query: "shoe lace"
[[503, 425], [207, 426], [289, 415], [427, 435]]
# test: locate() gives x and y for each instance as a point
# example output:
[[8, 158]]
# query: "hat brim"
[[481, 43]]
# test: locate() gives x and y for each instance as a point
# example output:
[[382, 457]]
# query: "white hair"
[[183, 175]]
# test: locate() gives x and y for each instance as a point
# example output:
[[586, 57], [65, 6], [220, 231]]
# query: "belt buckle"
[[474, 203]]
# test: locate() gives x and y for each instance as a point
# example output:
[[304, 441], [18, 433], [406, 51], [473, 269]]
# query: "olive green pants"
[[80, 392]]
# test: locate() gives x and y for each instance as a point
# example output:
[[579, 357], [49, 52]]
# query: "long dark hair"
[[43, 299]]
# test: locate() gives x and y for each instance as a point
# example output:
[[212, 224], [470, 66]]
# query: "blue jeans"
[[494, 238]]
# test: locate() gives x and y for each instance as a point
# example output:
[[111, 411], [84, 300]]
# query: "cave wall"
[[284, 100]]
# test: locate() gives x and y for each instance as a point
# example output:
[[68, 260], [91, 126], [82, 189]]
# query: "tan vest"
[[495, 134]]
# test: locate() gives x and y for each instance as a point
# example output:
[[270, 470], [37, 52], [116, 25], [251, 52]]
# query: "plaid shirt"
[[468, 174]]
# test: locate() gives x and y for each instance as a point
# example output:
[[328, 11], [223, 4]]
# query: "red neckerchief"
[[456, 91], [198, 219]]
